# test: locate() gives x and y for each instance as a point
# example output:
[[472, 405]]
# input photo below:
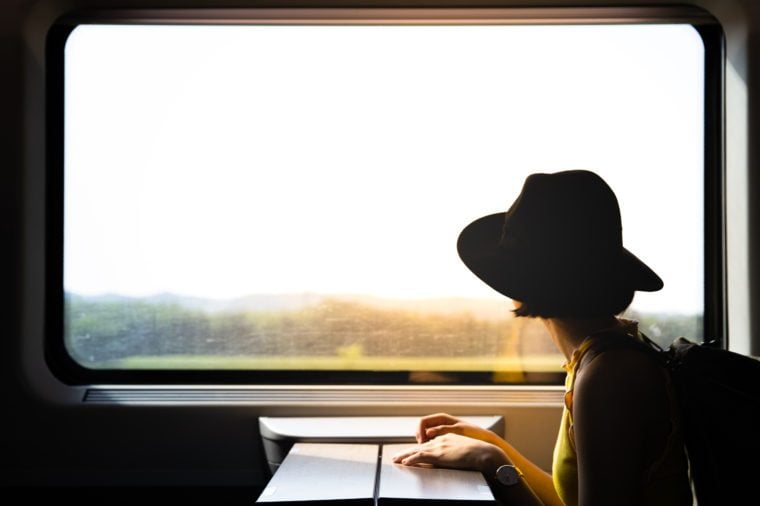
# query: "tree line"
[[99, 330]]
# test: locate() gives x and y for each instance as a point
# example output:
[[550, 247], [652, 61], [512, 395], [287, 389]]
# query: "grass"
[[533, 363]]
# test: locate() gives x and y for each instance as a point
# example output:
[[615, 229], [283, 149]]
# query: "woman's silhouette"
[[558, 253]]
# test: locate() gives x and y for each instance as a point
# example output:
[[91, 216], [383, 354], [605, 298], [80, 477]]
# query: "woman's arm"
[[462, 452], [620, 416], [434, 427], [538, 479]]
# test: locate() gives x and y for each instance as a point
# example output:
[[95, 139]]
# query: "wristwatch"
[[508, 475]]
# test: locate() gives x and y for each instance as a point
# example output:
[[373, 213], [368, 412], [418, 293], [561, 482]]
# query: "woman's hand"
[[456, 452], [432, 426]]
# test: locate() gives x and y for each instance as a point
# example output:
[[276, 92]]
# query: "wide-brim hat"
[[561, 238]]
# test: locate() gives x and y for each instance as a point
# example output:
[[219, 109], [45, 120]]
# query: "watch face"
[[507, 475]]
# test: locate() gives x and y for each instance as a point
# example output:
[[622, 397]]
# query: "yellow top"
[[666, 482]]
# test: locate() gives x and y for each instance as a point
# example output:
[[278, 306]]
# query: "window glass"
[[289, 197]]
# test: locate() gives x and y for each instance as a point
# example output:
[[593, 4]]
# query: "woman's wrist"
[[492, 460]]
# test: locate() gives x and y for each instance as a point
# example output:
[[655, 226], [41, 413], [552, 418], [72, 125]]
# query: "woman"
[[558, 253]]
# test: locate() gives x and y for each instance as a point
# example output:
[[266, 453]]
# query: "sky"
[[220, 161]]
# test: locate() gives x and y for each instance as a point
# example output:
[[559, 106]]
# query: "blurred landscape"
[[321, 332]]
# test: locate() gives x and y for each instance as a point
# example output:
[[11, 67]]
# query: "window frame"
[[71, 372]]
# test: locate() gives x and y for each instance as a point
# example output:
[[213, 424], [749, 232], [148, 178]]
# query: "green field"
[[534, 363]]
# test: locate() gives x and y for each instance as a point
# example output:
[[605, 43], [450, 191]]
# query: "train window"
[[271, 201]]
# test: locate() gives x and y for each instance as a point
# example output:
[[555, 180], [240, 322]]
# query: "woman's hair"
[[588, 305]]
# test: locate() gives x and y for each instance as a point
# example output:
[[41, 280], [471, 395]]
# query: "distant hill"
[[477, 308]]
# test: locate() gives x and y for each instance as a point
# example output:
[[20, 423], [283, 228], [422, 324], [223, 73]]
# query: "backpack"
[[718, 393], [718, 396]]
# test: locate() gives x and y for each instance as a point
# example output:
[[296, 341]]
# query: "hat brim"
[[521, 279]]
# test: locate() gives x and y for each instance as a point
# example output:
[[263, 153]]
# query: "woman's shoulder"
[[622, 371]]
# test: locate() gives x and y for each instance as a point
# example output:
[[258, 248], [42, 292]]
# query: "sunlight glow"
[[220, 161]]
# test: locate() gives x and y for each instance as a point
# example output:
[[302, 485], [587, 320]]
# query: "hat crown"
[[573, 210]]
